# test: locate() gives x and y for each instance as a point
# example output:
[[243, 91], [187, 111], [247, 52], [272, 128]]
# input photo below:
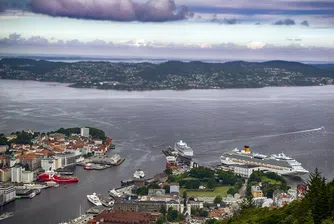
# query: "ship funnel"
[[246, 148]]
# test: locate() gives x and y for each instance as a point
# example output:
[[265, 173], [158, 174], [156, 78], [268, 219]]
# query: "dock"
[[96, 210], [102, 161]]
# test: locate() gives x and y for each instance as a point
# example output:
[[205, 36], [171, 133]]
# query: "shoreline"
[[167, 89]]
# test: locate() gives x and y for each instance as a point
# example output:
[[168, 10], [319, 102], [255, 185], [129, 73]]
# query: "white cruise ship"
[[139, 174], [280, 163], [94, 199], [183, 149]]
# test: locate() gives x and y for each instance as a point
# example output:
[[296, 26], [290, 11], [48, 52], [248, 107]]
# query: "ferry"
[[94, 199], [280, 164], [51, 176], [183, 149]]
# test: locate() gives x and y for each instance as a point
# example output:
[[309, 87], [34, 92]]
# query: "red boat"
[[53, 177]]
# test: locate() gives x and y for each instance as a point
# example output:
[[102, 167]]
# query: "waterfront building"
[[4, 175], [244, 170], [256, 191], [51, 163], [7, 193], [84, 132], [16, 173], [27, 176]]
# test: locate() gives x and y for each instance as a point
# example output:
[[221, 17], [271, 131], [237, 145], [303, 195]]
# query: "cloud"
[[256, 45], [294, 39], [115, 10], [286, 22], [305, 23], [15, 43], [230, 21]]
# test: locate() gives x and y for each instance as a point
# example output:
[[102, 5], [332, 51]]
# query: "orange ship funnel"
[[246, 148]]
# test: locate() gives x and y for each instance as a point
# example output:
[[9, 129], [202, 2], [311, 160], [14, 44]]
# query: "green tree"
[[172, 214], [169, 171], [160, 220], [184, 194], [317, 197], [218, 199], [163, 210], [211, 221], [167, 189], [211, 183]]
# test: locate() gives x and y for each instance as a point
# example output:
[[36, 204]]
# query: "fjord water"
[[270, 120]]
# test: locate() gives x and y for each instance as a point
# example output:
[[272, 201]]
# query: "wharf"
[[102, 161], [96, 210], [83, 219]]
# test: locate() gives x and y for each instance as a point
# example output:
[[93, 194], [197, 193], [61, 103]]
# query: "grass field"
[[271, 181], [221, 190]]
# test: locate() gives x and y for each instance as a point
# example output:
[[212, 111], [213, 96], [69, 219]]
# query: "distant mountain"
[[168, 75]]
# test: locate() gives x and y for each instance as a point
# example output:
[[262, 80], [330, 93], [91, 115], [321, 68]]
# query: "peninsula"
[[174, 75]]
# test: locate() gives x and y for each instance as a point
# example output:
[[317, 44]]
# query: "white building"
[[16, 173], [27, 176], [244, 170], [52, 163], [174, 188], [84, 132]]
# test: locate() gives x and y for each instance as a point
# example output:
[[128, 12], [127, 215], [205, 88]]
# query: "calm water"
[[270, 120]]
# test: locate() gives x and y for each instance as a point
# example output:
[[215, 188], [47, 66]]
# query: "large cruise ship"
[[280, 163], [183, 149]]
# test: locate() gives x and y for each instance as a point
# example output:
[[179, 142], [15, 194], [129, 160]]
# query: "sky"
[[298, 30]]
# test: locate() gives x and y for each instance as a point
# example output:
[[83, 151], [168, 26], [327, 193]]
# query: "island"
[[170, 75]]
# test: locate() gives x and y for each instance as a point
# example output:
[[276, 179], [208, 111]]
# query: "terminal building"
[[7, 193]]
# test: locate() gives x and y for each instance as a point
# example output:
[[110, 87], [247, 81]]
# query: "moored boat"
[[94, 199], [183, 149], [139, 174], [50, 176], [280, 164]]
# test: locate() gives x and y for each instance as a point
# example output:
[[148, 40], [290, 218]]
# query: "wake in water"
[[276, 135]]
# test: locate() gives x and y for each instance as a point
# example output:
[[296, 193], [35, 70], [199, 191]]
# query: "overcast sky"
[[301, 30]]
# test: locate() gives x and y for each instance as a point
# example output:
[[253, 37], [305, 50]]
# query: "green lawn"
[[221, 190], [271, 181]]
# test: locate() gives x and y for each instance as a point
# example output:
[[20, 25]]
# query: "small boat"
[[139, 174], [94, 199], [88, 166], [6, 215]]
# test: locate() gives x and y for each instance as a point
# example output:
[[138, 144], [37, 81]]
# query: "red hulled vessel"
[[50, 176]]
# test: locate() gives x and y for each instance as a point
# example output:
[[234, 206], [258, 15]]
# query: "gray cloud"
[[286, 22], [116, 10], [228, 21], [231, 21], [305, 23]]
